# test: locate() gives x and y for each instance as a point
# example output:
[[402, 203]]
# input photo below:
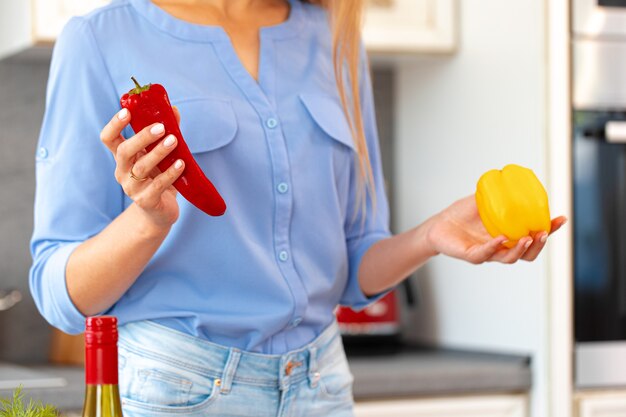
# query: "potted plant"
[[16, 407]]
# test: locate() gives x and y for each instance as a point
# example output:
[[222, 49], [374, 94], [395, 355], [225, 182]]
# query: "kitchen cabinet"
[[600, 404], [391, 26], [49, 16], [410, 26], [470, 406]]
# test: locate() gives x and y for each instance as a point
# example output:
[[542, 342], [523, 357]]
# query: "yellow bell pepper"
[[512, 202]]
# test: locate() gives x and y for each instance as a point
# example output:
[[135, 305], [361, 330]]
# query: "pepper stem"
[[139, 88]]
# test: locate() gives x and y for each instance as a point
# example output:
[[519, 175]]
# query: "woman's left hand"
[[458, 232]]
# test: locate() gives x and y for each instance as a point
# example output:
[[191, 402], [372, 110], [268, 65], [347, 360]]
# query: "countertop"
[[379, 372], [415, 371], [68, 395]]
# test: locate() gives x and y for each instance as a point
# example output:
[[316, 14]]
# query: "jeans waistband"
[[197, 355]]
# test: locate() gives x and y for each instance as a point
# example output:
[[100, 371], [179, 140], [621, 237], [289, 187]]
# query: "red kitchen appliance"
[[379, 319]]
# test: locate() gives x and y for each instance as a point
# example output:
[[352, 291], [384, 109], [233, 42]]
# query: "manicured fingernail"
[[178, 164], [544, 238], [527, 244], [169, 141], [157, 129], [123, 114]]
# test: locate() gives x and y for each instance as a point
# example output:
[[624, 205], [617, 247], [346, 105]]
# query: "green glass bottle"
[[102, 395]]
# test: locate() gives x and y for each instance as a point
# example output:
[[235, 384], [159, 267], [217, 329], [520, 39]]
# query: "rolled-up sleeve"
[[76, 192], [372, 224]]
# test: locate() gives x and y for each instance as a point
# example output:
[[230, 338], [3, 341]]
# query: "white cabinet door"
[[411, 26], [50, 16], [405, 26], [600, 404], [471, 406]]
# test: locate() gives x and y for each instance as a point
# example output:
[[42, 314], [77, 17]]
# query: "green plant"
[[16, 407]]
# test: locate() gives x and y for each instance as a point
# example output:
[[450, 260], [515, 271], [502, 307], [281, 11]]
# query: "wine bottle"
[[102, 396]]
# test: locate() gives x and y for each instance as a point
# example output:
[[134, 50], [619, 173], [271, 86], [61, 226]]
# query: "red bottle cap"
[[101, 330], [101, 350]]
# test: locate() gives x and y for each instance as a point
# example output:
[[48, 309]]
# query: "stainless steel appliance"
[[599, 165]]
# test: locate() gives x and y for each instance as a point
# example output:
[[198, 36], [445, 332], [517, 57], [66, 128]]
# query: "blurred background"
[[461, 87]]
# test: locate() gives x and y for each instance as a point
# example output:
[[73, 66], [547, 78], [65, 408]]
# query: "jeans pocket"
[[155, 385], [135, 407], [336, 380], [336, 384], [161, 387]]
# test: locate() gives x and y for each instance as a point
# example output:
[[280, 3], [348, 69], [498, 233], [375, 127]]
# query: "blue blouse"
[[266, 276]]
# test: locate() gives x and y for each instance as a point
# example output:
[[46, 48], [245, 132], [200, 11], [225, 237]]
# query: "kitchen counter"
[[383, 372], [66, 395], [414, 371]]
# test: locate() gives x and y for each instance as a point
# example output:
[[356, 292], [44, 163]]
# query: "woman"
[[226, 316]]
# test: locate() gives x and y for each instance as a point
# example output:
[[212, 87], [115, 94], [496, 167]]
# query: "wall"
[[15, 26], [458, 116]]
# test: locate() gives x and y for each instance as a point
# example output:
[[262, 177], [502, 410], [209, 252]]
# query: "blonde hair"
[[346, 17]]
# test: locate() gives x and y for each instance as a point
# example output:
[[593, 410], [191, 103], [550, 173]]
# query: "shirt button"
[[42, 153], [296, 321], [283, 187], [283, 256], [271, 123]]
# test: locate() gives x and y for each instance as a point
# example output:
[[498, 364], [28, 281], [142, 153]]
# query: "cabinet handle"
[[615, 131], [9, 298]]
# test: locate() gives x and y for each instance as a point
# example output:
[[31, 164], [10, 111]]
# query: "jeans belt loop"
[[283, 377], [229, 370], [314, 375]]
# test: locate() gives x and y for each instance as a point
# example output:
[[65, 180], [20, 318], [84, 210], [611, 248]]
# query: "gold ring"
[[136, 178]]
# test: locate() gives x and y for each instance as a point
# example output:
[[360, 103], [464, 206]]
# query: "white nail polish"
[[157, 129], [544, 238], [178, 164], [123, 114], [527, 244], [169, 141]]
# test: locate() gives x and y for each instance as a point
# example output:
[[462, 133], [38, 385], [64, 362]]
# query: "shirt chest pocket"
[[328, 115], [207, 124], [331, 144]]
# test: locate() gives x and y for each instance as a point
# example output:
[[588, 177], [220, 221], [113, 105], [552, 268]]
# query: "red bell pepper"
[[150, 104]]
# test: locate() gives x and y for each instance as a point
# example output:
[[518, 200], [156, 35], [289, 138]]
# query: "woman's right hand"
[[137, 171]]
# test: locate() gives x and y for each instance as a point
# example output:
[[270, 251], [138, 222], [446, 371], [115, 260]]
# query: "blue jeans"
[[164, 372]]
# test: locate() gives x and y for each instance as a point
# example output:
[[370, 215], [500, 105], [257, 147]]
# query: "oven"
[[599, 190]]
